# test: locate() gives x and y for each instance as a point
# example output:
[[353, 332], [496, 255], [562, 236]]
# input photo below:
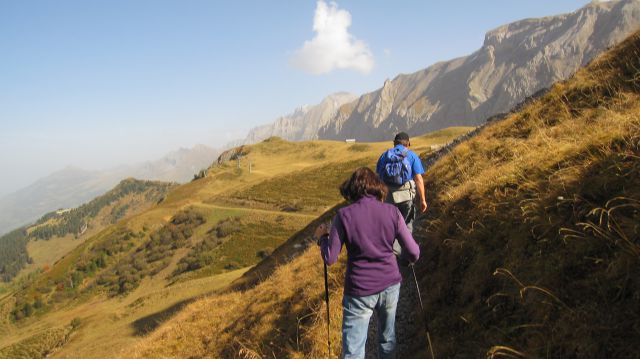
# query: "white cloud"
[[332, 47]]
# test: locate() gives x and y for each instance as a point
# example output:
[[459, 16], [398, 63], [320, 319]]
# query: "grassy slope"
[[108, 322], [530, 244]]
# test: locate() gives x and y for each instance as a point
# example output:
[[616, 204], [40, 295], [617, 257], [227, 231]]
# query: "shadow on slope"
[[151, 322]]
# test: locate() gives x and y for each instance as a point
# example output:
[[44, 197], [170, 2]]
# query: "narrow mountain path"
[[409, 326], [411, 334]]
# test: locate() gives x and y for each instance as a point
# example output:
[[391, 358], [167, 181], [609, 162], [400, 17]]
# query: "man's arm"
[[420, 187], [379, 165], [418, 171]]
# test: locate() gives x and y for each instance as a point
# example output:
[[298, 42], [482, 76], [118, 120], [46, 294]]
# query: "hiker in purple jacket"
[[367, 228]]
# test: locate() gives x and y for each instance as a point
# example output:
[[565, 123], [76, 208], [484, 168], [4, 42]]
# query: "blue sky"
[[94, 84]]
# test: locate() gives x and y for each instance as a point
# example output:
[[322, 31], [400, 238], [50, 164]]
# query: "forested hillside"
[[13, 253]]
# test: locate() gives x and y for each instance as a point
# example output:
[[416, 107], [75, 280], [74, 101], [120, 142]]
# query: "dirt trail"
[[257, 210]]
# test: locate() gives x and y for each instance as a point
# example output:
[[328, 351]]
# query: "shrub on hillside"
[[264, 253], [75, 322], [151, 256], [43, 289], [293, 207], [227, 227], [200, 256], [359, 147]]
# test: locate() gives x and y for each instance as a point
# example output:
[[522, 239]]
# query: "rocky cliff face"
[[303, 123], [515, 61]]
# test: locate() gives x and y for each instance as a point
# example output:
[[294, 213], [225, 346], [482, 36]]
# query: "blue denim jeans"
[[357, 312]]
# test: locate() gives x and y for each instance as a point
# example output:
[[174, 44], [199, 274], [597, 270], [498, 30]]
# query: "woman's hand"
[[321, 230]]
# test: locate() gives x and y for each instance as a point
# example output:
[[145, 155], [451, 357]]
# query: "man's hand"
[[423, 206], [420, 188]]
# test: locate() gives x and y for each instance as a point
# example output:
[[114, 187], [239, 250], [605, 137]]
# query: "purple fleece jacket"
[[368, 228]]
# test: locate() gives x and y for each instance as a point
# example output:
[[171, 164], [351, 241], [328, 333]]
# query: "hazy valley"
[[73, 186]]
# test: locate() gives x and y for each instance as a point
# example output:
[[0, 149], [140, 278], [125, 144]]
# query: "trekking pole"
[[326, 299], [426, 326]]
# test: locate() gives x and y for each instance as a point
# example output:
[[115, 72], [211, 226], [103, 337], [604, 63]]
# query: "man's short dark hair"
[[401, 138], [363, 182]]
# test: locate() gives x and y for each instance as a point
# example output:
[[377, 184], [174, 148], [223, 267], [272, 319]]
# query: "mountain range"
[[515, 61]]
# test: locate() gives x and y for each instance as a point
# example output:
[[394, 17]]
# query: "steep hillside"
[[126, 280], [58, 232], [303, 123], [515, 61], [532, 244], [530, 247]]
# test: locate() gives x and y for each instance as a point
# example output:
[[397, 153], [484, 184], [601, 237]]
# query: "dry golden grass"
[[546, 200], [40, 345], [114, 323], [280, 317]]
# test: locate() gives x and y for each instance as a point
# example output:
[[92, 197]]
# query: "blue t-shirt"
[[414, 160]]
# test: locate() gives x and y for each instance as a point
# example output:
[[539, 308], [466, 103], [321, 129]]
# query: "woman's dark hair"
[[363, 182]]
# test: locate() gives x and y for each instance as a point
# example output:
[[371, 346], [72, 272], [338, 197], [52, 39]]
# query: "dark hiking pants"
[[408, 211]]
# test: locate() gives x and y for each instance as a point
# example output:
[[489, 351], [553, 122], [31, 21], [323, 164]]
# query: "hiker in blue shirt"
[[401, 170]]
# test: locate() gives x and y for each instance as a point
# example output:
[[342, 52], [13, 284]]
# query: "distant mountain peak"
[[303, 123]]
